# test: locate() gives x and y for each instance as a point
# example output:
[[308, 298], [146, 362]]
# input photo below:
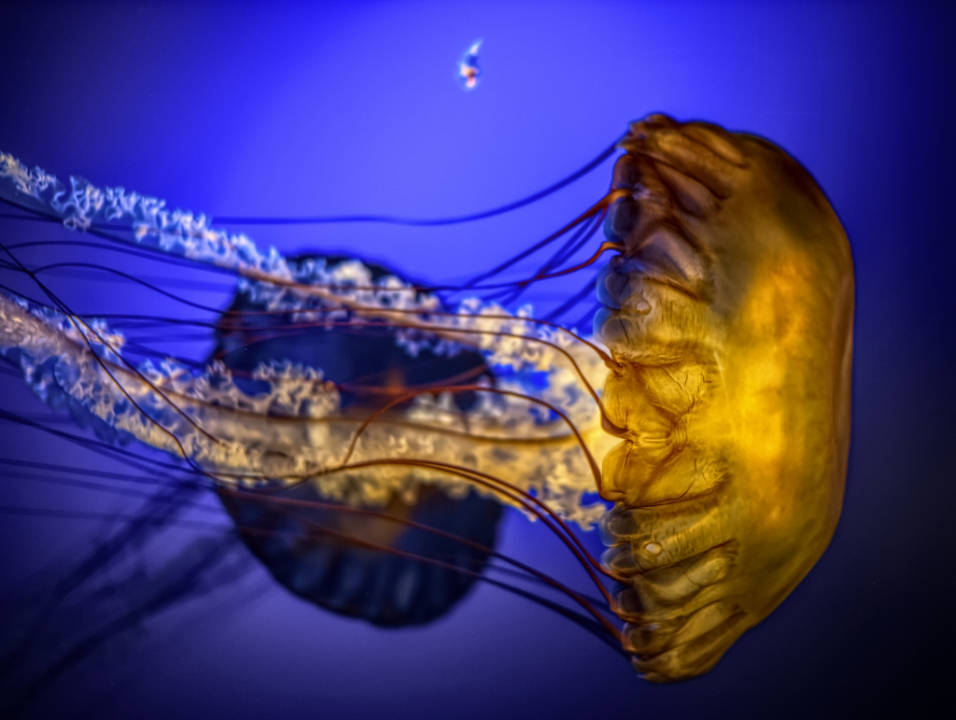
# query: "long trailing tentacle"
[[188, 239]]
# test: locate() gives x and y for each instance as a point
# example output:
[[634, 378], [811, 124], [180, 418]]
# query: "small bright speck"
[[468, 70]]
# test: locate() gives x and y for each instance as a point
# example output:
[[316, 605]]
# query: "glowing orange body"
[[730, 313]]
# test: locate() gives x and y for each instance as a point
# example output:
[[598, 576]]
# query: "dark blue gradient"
[[283, 109]]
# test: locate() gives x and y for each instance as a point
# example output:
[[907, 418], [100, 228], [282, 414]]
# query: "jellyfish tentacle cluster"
[[237, 435], [729, 314]]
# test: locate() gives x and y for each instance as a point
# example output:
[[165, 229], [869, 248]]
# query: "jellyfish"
[[362, 432], [730, 315]]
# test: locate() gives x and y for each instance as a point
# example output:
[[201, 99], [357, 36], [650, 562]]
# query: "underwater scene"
[[548, 359]]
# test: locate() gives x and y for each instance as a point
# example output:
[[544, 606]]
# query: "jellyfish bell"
[[319, 550], [729, 314]]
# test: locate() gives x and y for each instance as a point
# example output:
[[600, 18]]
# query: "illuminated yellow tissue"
[[730, 314]]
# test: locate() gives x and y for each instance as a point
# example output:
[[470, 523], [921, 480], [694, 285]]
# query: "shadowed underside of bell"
[[317, 553], [340, 558]]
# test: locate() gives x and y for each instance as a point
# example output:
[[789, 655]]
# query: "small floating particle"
[[468, 70]]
